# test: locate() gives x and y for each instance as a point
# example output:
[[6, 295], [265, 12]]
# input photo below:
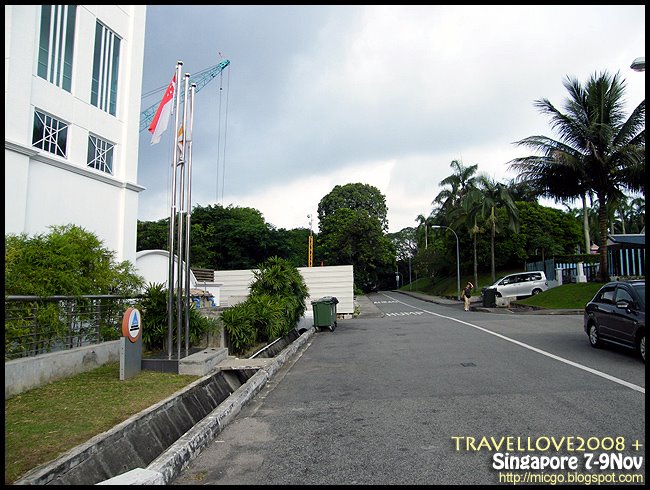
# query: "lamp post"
[[457, 255], [638, 64]]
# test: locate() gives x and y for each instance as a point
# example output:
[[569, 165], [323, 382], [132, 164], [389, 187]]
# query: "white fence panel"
[[334, 280]]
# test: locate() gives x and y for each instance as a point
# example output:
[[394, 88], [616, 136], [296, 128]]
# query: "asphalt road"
[[422, 393]]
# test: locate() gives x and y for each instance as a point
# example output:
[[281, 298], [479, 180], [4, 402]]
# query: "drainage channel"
[[164, 437]]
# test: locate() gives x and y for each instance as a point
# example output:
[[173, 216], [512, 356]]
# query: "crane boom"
[[201, 79]]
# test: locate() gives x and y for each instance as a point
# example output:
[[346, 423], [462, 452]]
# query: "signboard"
[[131, 344], [132, 324]]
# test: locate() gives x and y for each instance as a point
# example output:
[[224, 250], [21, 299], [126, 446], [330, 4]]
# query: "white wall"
[[42, 189], [153, 265], [336, 280], [232, 287]]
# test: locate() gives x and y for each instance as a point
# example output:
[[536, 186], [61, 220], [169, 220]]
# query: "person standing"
[[467, 294]]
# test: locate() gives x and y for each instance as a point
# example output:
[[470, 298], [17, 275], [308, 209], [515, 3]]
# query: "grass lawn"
[[43, 423], [568, 296]]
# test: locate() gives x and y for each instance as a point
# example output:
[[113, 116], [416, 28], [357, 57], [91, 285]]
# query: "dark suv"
[[616, 315]]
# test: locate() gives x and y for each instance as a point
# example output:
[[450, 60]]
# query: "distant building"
[[626, 255], [73, 80]]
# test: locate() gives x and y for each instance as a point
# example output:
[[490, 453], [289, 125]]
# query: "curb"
[[167, 466]]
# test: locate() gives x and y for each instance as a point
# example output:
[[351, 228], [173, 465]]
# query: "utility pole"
[[310, 260]]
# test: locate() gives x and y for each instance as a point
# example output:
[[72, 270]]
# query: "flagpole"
[[172, 216], [181, 275], [188, 215]]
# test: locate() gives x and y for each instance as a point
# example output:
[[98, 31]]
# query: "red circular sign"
[[132, 324]]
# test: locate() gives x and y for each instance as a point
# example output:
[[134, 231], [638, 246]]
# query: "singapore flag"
[[161, 119]]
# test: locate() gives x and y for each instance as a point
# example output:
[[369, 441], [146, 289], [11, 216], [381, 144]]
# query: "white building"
[[73, 79]]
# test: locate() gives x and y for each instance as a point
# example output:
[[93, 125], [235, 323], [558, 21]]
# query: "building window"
[[50, 134], [100, 154], [56, 45], [105, 69]]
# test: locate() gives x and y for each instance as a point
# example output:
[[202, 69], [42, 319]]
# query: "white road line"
[[530, 347]]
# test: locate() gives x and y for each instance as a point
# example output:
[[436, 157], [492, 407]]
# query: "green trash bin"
[[490, 298], [325, 312]]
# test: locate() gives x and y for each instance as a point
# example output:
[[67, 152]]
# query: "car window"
[[605, 295], [623, 294], [536, 277]]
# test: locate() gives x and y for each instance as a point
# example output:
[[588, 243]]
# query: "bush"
[[69, 261], [238, 324], [274, 306], [155, 326]]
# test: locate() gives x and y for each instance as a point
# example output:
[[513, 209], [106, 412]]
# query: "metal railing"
[[35, 325]]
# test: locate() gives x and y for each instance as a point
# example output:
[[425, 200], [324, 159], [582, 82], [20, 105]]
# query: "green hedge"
[[274, 306]]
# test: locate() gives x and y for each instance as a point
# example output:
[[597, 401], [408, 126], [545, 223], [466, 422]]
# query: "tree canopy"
[[599, 150], [352, 222], [355, 197]]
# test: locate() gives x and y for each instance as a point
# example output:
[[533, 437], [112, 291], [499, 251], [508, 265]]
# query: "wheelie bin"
[[325, 312], [489, 298]]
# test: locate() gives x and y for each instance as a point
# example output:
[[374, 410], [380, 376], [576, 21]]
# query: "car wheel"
[[641, 346], [536, 291], [594, 338]]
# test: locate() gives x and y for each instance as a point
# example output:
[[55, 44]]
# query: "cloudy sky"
[[318, 96]]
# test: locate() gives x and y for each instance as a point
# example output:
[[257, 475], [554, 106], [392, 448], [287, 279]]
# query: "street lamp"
[[457, 255], [638, 64]]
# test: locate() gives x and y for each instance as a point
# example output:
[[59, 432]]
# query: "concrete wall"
[[31, 372]]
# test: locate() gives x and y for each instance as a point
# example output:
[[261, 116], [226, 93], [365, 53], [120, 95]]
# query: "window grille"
[[50, 134], [100, 154]]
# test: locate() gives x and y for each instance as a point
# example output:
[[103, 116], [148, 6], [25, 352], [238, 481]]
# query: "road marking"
[[402, 313], [530, 347]]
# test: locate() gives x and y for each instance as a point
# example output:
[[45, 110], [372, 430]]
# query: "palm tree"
[[638, 215], [460, 182], [470, 213], [598, 151], [424, 223], [495, 195]]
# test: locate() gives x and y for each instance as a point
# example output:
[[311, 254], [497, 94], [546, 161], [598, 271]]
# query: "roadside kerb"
[[166, 467]]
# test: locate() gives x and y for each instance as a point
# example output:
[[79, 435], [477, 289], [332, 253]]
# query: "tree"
[[406, 248], [470, 213], [355, 197], [460, 182], [67, 261], [424, 225], [496, 195], [354, 232], [153, 235], [598, 149], [547, 231]]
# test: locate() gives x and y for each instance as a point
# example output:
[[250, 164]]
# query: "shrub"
[[238, 324], [155, 326], [69, 261], [274, 306]]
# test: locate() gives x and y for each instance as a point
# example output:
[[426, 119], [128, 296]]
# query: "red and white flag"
[[161, 119]]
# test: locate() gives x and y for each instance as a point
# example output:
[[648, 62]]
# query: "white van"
[[520, 284]]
